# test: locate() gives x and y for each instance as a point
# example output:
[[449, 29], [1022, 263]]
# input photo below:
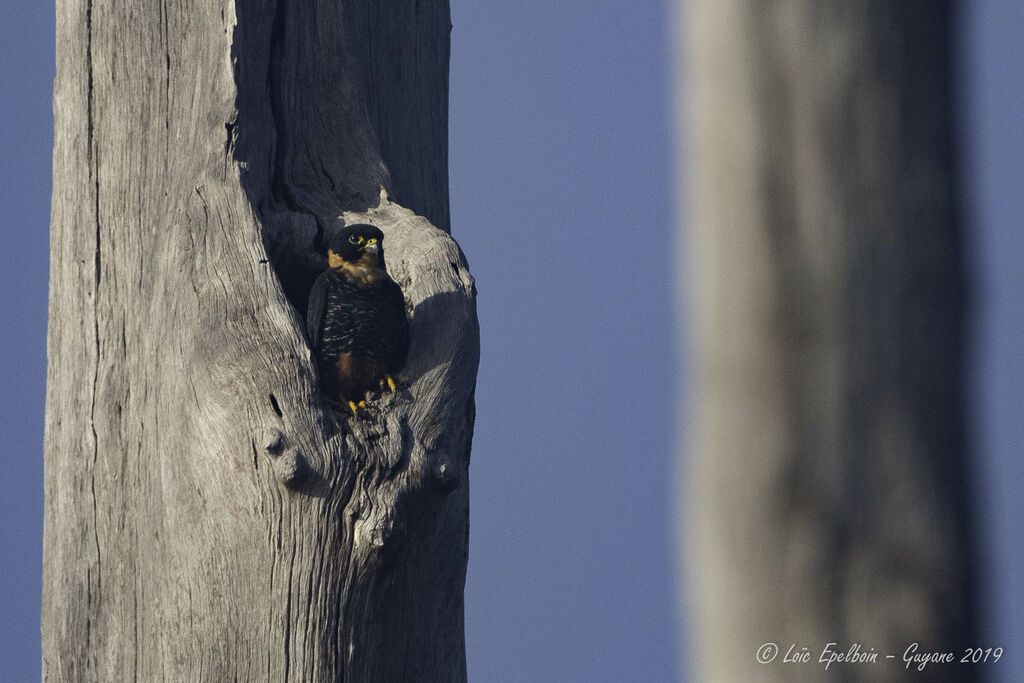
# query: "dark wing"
[[315, 310], [396, 329]]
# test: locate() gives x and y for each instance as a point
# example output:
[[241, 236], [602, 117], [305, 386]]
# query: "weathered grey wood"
[[207, 517], [827, 497]]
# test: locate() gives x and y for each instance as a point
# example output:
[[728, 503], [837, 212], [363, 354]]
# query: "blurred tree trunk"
[[826, 491], [207, 518]]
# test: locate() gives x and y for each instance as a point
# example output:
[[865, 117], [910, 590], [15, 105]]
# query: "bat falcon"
[[356, 318]]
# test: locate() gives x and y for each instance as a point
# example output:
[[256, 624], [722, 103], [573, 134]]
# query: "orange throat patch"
[[366, 271]]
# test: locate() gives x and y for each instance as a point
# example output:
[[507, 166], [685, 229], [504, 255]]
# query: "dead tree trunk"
[[207, 516], [825, 483]]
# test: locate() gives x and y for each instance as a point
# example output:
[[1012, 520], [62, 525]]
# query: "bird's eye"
[[354, 239]]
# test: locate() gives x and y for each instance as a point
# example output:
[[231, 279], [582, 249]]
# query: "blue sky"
[[562, 181], [993, 56]]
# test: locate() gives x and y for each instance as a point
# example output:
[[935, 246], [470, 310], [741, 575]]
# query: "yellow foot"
[[354, 407], [389, 383]]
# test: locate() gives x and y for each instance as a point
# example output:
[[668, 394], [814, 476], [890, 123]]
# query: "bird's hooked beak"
[[372, 246]]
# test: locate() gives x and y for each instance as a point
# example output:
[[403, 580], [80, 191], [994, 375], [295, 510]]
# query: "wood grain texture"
[[827, 495], [207, 516]]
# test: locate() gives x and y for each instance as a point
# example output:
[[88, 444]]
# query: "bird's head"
[[356, 245]]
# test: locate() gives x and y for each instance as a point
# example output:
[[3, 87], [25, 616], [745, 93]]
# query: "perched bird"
[[356, 318]]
